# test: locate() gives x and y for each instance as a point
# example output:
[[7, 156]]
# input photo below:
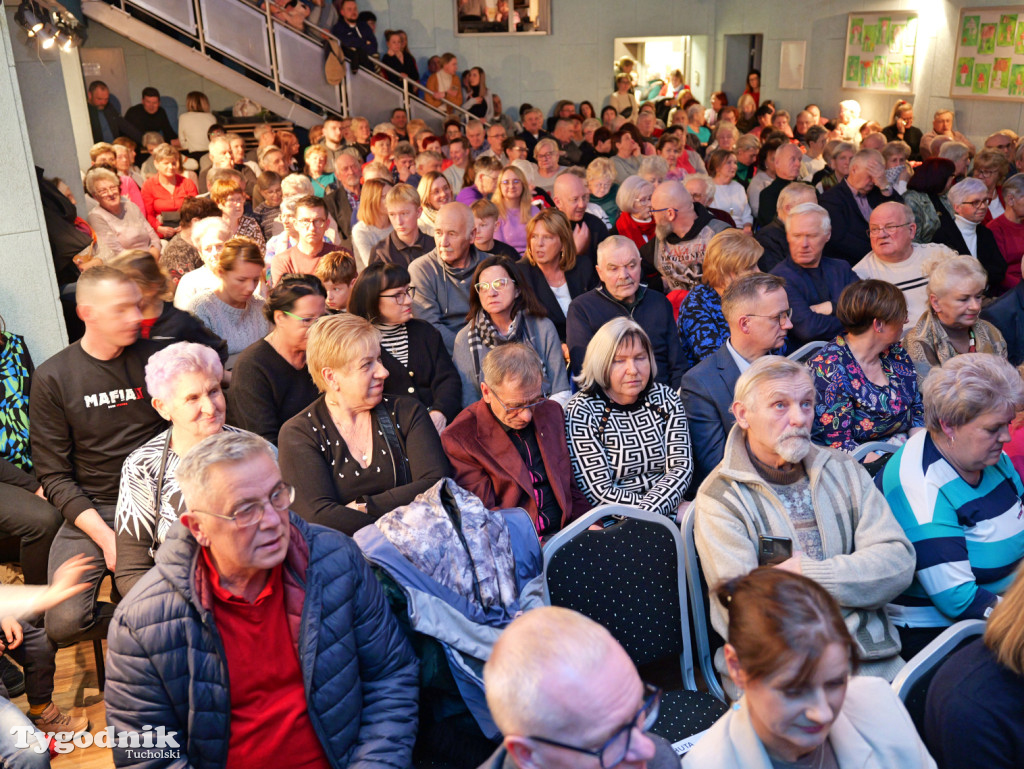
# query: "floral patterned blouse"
[[851, 410], [701, 324]]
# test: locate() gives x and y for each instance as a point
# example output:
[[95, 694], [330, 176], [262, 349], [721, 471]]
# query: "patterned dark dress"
[[15, 372], [701, 324]]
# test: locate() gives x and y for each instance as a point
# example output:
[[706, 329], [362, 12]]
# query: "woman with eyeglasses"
[[230, 199], [233, 310], [546, 155], [515, 207], [411, 350], [118, 223], [951, 325], [628, 437], [992, 167], [865, 381], [957, 496], [504, 309], [966, 233], [185, 383], [270, 382], [794, 660], [358, 453]]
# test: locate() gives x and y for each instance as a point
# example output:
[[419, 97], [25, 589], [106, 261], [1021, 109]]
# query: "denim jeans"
[[14, 757]]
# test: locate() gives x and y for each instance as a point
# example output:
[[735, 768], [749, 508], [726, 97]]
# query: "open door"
[[742, 54], [655, 57]]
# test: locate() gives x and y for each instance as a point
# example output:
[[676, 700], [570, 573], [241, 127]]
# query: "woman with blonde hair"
[[359, 452], [603, 189], [444, 85], [194, 124], [973, 715], [634, 201], [373, 225], [316, 169], [747, 107], [434, 191], [513, 198], [951, 325]]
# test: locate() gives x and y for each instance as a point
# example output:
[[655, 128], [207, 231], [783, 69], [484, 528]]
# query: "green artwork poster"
[[1018, 46], [892, 74], [987, 44], [856, 34], [1017, 80], [866, 67], [896, 38], [982, 77], [853, 69], [1007, 26], [878, 72], [1001, 74], [883, 30], [870, 38], [969, 33], [964, 71], [907, 71]]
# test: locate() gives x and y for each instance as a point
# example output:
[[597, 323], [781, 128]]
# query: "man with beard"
[[682, 232], [774, 483]]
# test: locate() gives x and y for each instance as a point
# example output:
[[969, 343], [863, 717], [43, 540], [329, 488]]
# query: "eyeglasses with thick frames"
[[616, 748], [403, 296], [663, 210], [251, 513], [516, 409], [888, 229], [983, 203], [780, 318], [497, 284]]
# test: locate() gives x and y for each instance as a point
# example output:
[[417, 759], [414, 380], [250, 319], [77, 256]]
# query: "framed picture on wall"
[[880, 51], [791, 65], [989, 58], [502, 17]]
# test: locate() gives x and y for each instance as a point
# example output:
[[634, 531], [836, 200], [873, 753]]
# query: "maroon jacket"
[[486, 463]]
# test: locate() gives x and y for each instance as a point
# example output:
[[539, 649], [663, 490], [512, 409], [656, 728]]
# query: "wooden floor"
[[75, 687]]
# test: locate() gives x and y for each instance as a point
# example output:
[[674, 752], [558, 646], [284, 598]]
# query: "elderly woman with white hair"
[[951, 325], [209, 235], [354, 453], [966, 234], [118, 223], [185, 383], [546, 155], [958, 497], [634, 201], [628, 438]]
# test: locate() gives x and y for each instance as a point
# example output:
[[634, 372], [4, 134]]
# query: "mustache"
[[795, 432]]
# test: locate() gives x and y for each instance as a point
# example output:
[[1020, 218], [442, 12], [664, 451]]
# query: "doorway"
[[656, 58], [742, 54]]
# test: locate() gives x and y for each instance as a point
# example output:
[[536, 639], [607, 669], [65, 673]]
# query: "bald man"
[[674, 258], [571, 196], [442, 277], [560, 687], [849, 205], [89, 409]]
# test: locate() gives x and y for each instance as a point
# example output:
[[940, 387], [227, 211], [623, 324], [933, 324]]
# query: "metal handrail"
[[406, 96]]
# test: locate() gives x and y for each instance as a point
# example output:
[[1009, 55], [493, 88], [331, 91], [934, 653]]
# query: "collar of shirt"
[[221, 593]]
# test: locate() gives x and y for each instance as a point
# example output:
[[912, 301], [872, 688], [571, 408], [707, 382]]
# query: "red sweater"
[[638, 232], [1010, 239], [158, 199]]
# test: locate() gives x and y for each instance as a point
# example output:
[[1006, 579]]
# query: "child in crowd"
[[268, 213], [407, 242], [485, 216], [337, 271]]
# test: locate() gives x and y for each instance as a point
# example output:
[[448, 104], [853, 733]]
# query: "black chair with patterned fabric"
[[629, 577]]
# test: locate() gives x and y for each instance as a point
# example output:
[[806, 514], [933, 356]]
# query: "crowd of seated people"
[[598, 313]]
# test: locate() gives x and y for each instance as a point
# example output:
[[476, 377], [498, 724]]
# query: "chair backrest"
[[912, 682], [879, 446], [706, 639], [806, 352], [629, 577]]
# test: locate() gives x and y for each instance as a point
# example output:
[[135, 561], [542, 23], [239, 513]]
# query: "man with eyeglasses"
[[813, 282], [1003, 142], [509, 448], [757, 310], [304, 256], [259, 638], [565, 695], [496, 136], [850, 203], [442, 277], [897, 259]]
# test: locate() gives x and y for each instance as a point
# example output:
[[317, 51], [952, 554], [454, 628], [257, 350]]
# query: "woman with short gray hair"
[[185, 383], [118, 223], [628, 438], [634, 201], [965, 232], [951, 325], [957, 497]]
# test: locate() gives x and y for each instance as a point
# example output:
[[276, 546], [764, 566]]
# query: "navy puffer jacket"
[[165, 661]]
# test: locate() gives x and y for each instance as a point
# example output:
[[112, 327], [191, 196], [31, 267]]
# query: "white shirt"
[[732, 198], [907, 276], [192, 284], [562, 296], [970, 232], [741, 363]]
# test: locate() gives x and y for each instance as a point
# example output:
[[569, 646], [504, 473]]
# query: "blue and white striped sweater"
[[968, 539]]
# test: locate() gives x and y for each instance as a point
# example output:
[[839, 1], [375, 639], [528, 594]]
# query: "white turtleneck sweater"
[[970, 232]]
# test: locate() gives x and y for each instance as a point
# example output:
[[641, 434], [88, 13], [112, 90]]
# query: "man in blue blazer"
[[757, 310], [849, 205]]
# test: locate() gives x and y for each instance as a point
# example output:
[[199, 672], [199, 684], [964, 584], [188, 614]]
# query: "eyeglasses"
[[983, 203], [888, 229], [310, 222], [107, 191], [406, 295], [986, 172], [516, 409], [300, 319], [780, 318], [251, 513], [510, 183], [544, 154], [661, 210], [497, 284], [615, 750]]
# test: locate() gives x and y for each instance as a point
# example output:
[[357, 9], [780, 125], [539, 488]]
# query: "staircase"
[[241, 47]]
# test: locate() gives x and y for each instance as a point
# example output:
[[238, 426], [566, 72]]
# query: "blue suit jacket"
[[707, 391]]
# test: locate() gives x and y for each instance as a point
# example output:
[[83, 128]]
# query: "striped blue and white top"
[[968, 539]]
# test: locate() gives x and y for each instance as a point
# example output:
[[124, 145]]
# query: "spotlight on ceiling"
[[29, 17]]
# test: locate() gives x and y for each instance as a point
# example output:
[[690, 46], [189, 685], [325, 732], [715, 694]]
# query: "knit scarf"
[[484, 336]]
